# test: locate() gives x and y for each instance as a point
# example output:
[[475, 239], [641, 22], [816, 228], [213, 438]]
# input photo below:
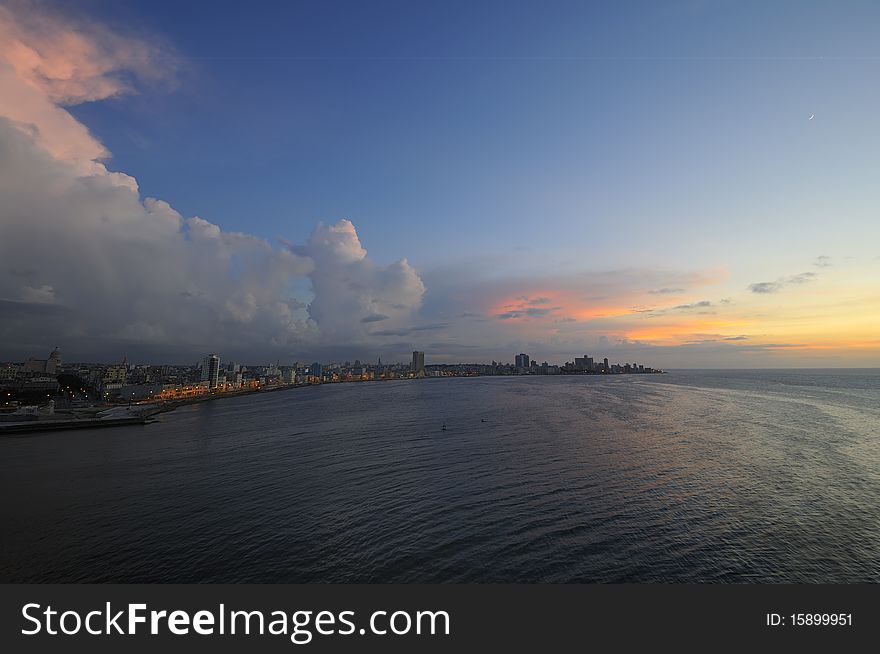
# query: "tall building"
[[316, 369], [607, 369], [522, 360], [211, 369], [418, 363]]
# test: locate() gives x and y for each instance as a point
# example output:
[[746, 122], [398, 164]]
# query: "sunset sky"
[[683, 184]]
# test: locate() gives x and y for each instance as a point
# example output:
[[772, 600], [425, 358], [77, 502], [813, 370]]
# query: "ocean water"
[[692, 476]]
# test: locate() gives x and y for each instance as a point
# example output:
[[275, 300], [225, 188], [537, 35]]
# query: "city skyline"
[[35, 386], [596, 180], [210, 365]]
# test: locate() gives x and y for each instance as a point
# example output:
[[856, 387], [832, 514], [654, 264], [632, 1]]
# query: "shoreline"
[[145, 415]]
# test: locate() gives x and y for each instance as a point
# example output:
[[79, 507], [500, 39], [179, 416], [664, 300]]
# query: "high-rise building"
[[316, 369], [211, 369], [418, 363], [607, 369], [522, 360]]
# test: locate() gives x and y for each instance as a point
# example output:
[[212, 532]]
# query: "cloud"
[[71, 61], [131, 269], [48, 61], [764, 287], [45, 294], [583, 306], [534, 301], [691, 307], [351, 291], [782, 282], [822, 261], [88, 262], [375, 317], [666, 291], [695, 305], [408, 331], [530, 312]]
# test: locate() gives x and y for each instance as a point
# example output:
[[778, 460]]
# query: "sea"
[[706, 476]]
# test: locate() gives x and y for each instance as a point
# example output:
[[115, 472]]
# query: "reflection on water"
[[692, 476]]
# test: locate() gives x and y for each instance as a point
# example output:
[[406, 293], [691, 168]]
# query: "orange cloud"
[[556, 303], [686, 329]]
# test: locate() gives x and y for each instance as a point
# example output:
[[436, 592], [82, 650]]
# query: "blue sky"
[[421, 120], [525, 143]]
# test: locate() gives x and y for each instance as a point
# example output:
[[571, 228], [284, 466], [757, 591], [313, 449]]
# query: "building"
[[211, 369], [606, 369], [115, 374], [522, 360], [418, 364], [50, 366], [316, 370]]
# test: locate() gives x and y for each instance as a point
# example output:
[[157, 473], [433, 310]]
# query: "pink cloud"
[[73, 62], [47, 61]]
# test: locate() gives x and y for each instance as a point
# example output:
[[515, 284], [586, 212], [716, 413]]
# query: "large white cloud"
[[352, 293], [117, 267], [84, 259]]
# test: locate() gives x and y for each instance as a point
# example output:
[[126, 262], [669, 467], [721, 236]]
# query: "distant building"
[[606, 368], [418, 363], [50, 366], [115, 374], [53, 365], [211, 369], [522, 360], [316, 370]]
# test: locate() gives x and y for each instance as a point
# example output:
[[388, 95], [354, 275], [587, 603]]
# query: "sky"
[[684, 184]]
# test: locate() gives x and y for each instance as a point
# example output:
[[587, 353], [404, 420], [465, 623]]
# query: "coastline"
[[142, 414], [139, 414]]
